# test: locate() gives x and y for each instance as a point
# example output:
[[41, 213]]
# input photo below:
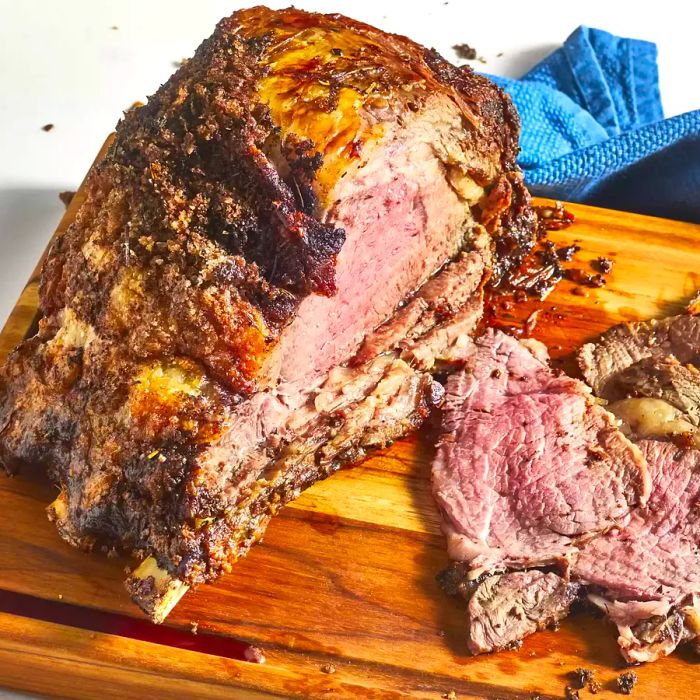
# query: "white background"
[[62, 62]]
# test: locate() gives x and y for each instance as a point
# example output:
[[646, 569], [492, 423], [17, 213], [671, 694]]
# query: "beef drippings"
[[541, 269]]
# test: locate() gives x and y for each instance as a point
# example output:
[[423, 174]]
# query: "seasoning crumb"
[[595, 687], [60, 596], [468, 53], [499, 54], [583, 278], [66, 197], [583, 676], [603, 265], [627, 681], [449, 696], [571, 693], [194, 626], [47, 127], [328, 668], [254, 655], [114, 27]]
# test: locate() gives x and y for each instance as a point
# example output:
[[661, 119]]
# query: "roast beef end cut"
[[608, 364], [646, 576], [506, 608]]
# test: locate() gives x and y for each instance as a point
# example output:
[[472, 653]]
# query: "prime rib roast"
[[277, 250]]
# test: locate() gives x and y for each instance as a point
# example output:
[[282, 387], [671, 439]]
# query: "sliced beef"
[[294, 186], [646, 576], [528, 465], [508, 607], [443, 309], [623, 346], [528, 469], [649, 630], [648, 571]]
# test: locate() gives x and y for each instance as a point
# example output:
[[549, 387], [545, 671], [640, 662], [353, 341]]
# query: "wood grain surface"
[[345, 577]]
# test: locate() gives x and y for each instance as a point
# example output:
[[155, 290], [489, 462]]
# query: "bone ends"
[[154, 590]]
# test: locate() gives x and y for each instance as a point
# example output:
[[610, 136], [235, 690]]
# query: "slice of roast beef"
[[649, 630], [528, 469], [623, 346], [505, 608], [285, 193], [528, 464], [648, 574]]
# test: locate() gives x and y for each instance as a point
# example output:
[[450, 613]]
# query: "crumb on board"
[[47, 127], [468, 53], [194, 626], [114, 27], [531, 321], [626, 682], [582, 676], [328, 668], [449, 696], [603, 265], [571, 693], [60, 596], [595, 687]]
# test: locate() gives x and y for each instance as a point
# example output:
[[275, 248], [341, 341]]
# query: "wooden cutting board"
[[345, 578]]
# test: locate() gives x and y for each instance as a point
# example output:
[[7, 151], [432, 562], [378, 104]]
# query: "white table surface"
[[78, 63]]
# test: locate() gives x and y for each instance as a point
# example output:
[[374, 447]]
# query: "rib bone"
[[154, 590]]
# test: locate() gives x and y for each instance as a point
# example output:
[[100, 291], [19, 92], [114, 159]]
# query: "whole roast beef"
[[244, 302]]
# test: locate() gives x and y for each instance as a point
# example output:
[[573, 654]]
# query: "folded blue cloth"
[[593, 129]]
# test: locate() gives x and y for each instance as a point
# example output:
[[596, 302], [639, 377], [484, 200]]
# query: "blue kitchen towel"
[[593, 129]]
